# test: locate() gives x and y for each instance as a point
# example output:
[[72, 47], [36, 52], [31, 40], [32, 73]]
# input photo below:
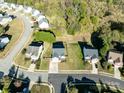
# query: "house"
[[5, 19], [40, 17], [43, 23], [90, 55], [1, 1], [27, 10], [115, 58], [19, 8], [35, 13], [3, 41], [34, 50], [58, 52]]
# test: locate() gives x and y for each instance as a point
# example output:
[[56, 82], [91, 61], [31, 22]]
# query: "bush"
[[24, 51]]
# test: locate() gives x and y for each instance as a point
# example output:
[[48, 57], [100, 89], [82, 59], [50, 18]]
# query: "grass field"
[[40, 89], [15, 30], [74, 59]]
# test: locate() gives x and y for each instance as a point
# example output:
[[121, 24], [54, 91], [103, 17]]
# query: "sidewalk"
[[31, 68], [117, 73]]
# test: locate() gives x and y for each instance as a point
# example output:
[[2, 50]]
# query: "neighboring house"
[[13, 6], [3, 41], [58, 52], [1, 1], [115, 58], [27, 10], [19, 8], [43, 23], [5, 20], [40, 17], [34, 50], [35, 13], [91, 55]]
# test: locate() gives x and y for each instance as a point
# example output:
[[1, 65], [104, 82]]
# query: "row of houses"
[[58, 54], [40, 18]]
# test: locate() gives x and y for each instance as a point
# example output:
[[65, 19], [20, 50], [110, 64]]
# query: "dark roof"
[[93, 53], [58, 49], [36, 44], [58, 45], [1, 74]]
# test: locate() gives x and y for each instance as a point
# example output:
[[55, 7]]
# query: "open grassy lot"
[[15, 31], [74, 58], [40, 89]]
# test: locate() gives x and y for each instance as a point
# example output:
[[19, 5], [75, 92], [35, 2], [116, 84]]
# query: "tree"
[[104, 49]]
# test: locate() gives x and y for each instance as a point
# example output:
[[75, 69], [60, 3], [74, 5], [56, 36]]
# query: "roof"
[[92, 53], [34, 48], [3, 42], [58, 49], [1, 74], [115, 56]]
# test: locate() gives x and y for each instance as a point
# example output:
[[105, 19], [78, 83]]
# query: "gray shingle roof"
[[93, 53], [58, 49], [34, 48]]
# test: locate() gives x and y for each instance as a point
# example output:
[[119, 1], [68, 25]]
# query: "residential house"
[[90, 55], [27, 10], [34, 50], [58, 52], [3, 41], [115, 58], [43, 23], [19, 8], [5, 19], [35, 13]]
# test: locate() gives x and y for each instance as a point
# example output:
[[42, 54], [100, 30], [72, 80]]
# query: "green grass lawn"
[[40, 89], [45, 36], [74, 59]]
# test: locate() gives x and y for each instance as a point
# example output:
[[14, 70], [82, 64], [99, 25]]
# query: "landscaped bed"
[[40, 89], [74, 60], [15, 31]]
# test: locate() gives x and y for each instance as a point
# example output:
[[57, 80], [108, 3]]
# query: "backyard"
[[14, 32], [74, 59]]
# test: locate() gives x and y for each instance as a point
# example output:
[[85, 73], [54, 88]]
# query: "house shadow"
[[48, 31], [85, 85], [58, 45]]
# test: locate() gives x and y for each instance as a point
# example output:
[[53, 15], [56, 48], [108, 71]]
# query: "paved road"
[[58, 79]]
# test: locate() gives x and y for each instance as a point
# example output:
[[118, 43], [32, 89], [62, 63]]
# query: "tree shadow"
[[7, 28], [85, 85], [117, 26], [19, 85], [63, 88], [39, 81], [96, 41]]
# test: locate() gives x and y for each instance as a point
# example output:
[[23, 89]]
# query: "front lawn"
[[74, 58], [40, 89], [43, 64], [15, 31]]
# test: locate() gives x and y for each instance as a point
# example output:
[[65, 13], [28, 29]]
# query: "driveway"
[[53, 67]]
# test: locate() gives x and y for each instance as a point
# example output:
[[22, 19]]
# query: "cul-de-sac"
[[61, 46]]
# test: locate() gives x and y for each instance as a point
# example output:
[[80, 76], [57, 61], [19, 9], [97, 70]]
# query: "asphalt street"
[[58, 79]]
